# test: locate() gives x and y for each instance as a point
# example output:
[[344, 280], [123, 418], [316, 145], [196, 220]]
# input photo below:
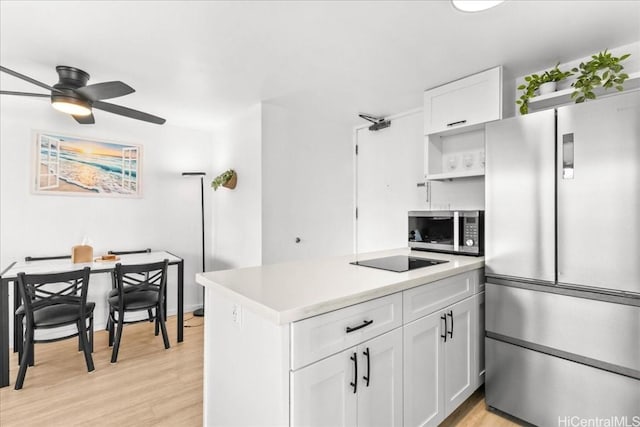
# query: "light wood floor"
[[149, 386]]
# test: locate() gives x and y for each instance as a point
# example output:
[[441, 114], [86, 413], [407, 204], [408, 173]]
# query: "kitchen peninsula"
[[325, 342]]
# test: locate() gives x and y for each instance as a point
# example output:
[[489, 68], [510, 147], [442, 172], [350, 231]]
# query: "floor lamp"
[[200, 311]]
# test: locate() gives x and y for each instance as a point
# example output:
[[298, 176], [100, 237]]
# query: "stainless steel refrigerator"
[[562, 246]]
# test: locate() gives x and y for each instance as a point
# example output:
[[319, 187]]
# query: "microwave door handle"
[[456, 231]]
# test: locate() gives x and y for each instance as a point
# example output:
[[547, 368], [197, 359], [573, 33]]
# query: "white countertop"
[[293, 291]]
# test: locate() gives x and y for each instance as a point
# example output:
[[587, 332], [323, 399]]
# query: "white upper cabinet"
[[466, 102]]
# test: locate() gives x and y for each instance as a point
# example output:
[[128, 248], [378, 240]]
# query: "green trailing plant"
[[534, 81], [603, 70], [223, 178]]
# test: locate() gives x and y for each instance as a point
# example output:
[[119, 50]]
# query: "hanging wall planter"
[[227, 179]]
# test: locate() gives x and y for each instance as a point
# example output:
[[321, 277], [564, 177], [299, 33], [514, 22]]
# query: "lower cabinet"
[[440, 366], [358, 386]]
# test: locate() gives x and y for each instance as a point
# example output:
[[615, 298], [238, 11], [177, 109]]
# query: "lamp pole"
[[200, 311]]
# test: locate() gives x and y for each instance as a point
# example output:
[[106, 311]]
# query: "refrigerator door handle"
[[567, 156]]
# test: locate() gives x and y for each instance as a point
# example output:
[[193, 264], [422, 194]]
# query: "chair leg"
[[165, 336], [91, 333], [19, 342], [150, 313], [116, 344], [24, 361], [22, 343], [156, 329], [110, 327], [32, 351], [82, 333]]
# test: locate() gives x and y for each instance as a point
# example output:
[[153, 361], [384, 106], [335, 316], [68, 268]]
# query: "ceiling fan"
[[71, 95]]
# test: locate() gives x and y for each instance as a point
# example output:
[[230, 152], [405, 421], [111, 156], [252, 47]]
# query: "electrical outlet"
[[236, 314]]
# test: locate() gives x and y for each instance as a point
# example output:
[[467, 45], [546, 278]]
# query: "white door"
[[380, 381], [598, 188], [322, 394], [459, 353], [423, 371], [390, 164]]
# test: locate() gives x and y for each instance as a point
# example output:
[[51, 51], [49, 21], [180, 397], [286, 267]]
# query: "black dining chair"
[[19, 311], [114, 286], [55, 300], [139, 287]]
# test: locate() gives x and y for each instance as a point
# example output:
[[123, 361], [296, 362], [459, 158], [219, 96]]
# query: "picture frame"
[[80, 166]]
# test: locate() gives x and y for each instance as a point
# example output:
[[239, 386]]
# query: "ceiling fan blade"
[[105, 90], [85, 120], [38, 95], [28, 79], [128, 112]]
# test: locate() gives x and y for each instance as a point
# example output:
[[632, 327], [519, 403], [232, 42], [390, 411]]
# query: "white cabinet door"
[[380, 381], [459, 353], [322, 394], [423, 371], [469, 101]]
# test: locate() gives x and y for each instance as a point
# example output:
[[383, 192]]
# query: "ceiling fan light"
[[75, 108], [475, 5]]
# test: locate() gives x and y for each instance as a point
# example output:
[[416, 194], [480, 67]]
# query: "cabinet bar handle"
[[368, 376], [450, 314], [461, 122], [354, 384], [444, 317], [355, 328]]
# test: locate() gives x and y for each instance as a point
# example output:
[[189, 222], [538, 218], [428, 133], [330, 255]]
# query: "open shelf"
[[564, 96], [453, 175], [451, 156]]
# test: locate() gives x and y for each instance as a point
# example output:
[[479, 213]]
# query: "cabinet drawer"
[[326, 334], [466, 102], [426, 299], [599, 330]]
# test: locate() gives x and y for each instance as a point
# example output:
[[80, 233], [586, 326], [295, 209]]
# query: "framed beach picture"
[[86, 167]]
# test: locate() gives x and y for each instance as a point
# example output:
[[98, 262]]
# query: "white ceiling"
[[199, 63]]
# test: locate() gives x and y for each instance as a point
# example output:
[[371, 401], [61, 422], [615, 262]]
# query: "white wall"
[[166, 217], [295, 179], [307, 189], [237, 214]]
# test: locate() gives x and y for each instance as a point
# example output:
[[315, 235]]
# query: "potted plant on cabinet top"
[[227, 179], [543, 83], [603, 70]]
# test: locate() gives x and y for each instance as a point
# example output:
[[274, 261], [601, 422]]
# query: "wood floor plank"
[[148, 386]]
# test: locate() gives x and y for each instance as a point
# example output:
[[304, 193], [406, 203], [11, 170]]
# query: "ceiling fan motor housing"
[[70, 78]]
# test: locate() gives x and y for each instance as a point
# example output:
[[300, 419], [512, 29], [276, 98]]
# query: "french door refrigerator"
[[562, 247]]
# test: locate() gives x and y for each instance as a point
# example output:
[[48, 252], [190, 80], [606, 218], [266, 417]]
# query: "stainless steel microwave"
[[455, 232]]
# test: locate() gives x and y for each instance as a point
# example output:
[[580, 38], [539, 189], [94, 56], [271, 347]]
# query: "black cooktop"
[[398, 263]]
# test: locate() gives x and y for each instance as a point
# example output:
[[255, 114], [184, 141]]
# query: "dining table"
[[98, 266]]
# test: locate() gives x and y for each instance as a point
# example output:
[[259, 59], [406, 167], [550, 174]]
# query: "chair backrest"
[[141, 277], [46, 258], [42, 290], [140, 251]]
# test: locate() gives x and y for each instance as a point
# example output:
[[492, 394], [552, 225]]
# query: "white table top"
[[292, 291], [61, 265]]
